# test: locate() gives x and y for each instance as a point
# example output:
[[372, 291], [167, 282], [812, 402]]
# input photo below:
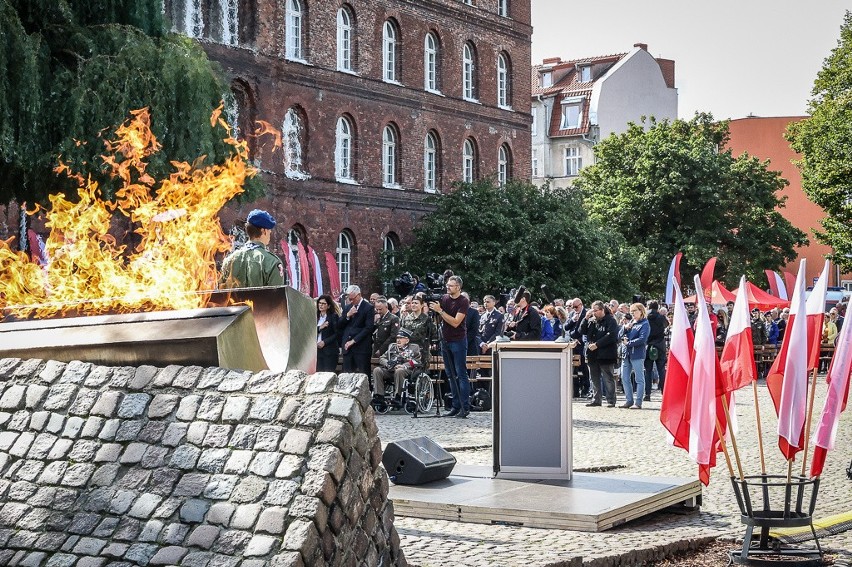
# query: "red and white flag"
[[816, 316], [836, 399], [673, 279], [787, 379], [776, 284], [737, 363], [677, 374]]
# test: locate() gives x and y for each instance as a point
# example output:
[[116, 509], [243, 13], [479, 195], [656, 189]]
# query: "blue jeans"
[[638, 367], [455, 365]]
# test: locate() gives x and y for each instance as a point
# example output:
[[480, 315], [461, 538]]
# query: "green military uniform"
[[385, 333], [252, 265], [423, 332]]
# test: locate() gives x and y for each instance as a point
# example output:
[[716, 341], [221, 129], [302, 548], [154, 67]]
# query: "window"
[[469, 72], [389, 52], [389, 156], [468, 2], [388, 259], [546, 79], [469, 161], [294, 31], [585, 74], [229, 15], [503, 8], [190, 21], [573, 161], [430, 163], [294, 137], [430, 63], [504, 164], [534, 123], [503, 84], [344, 259], [535, 163], [344, 40], [571, 115], [343, 150]]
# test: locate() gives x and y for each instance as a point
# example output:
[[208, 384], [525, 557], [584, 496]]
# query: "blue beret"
[[261, 219]]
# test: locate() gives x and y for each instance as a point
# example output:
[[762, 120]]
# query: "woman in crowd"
[[562, 319], [722, 329], [547, 321], [772, 332], [634, 338], [328, 314]]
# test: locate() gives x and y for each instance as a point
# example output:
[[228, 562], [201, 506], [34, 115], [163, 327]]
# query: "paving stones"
[[188, 466]]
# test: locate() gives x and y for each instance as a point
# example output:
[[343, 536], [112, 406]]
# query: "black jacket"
[[604, 334], [471, 322], [529, 326], [359, 327], [658, 324], [490, 326]]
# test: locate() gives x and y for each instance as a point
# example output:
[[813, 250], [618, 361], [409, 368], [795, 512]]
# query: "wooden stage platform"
[[589, 502]]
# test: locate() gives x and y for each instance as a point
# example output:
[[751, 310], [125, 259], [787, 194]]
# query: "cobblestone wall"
[[190, 466]]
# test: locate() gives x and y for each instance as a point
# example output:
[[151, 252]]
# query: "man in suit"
[[572, 331], [490, 324], [356, 332], [387, 325], [471, 322]]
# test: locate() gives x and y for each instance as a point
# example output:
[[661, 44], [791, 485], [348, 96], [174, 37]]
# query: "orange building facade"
[[764, 139]]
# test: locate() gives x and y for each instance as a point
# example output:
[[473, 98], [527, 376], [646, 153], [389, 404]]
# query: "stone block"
[[346, 408], [264, 463], [188, 408], [162, 405], [129, 430], [151, 531], [192, 511], [220, 486], [170, 555], [291, 383], [52, 370], [35, 396], [243, 437], [281, 492], [211, 378], [301, 536], [290, 466], [187, 377], [144, 506], [264, 408], [122, 501], [196, 432], [90, 546], [99, 376], [110, 429], [238, 462], [185, 457], [217, 435], [327, 458], [38, 419], [133, 405], [83, 450], [213, 460], [245, 516], [59, 397], [263, 382], [108, 452], [355, 385], [142, 377], [210, 408], [174, 533], [234, 381], [320, 383], [220, 513], [312, 413], [107, 403], [268, 437], [175, 434], [296, 441], [191, 484], [249, 489], [133, 453], [272, 520], [92, 427], [154, 457], [83, 402], [122, 376], [203, 536], [235, 408], [260, 545], [152, 431], [165, 376], [76, 372]]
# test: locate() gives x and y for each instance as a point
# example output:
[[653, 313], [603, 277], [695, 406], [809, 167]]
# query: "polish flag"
[[677, 375], [333, 275], [737, 364], [707, 274], [304, 269], [776, 284], [701, 402], [673, 279], [835, 401], [787, 380], [316, 283], [816, 315]]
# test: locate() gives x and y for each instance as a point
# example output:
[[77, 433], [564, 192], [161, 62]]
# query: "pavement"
[[624, 442]]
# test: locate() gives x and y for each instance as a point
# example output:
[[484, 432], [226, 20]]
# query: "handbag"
[[653, 353]]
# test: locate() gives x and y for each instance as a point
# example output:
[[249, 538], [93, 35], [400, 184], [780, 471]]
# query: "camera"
[[431, 286], [435, 287]]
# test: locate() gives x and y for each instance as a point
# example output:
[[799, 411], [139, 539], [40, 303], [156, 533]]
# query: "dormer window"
[[546, 78], [572, 114], [585, 74]]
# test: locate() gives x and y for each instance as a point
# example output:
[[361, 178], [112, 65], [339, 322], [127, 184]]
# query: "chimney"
[[641, 46], [552, 61]]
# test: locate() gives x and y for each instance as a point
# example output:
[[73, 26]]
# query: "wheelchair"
[[416, 395]]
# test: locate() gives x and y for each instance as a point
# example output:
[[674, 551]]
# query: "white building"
[[577, 103]]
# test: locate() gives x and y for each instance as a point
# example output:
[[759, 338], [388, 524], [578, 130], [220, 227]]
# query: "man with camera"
[[601, 332], [452, 310]]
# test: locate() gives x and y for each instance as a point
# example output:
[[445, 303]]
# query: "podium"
[[532, 392]]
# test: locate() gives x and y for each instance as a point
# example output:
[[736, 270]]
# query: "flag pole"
[[759, 429], [808, 421], [724, 447], [733, 437]]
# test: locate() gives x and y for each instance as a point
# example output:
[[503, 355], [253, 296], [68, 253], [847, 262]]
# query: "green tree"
[[72, 70], [674, 187], [825, 143], [498, 238]]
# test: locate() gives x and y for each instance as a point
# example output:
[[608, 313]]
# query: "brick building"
[[380, 103]]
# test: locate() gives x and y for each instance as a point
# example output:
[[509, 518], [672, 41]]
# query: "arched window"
[[431, 151], [390, 58], [343, 150], [469, 72], [503, 8], [294, 31], [469, 161], [388, 259], [344, 259], [294, 136], [228, 16], [431, 63], [504, 90], [188, 17], [390, 156], [504, 164], [344, 39], [240, 113]]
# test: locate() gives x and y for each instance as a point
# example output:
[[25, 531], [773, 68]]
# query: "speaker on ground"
[[417, 461]]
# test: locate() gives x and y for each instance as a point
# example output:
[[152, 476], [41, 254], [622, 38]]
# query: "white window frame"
[[293, 47], [430, 63], [534, 163], [344, 259], [389, 52], [585, 73], [344, 40], [504, 87], [567, 105], [503, 162], [573, 161], [291, 130], [468, 73], [343, 150], [389, 155], [193, 19], [534, 122], [430, 163], [468, 161], [503, 8], [546, 79], [230, 14]]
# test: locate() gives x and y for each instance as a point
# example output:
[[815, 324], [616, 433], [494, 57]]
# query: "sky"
[[732, 58]]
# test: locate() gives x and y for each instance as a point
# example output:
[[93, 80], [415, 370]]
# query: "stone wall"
[[190, 466]]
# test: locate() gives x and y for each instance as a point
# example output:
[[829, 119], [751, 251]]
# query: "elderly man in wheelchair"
[[404, 362]]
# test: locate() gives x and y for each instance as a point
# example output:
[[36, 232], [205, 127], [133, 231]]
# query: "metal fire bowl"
[[277, 331]]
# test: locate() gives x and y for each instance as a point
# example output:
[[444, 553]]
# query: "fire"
[[176, 220]]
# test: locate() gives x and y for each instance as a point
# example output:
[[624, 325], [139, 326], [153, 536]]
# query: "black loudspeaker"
[[417, 461]]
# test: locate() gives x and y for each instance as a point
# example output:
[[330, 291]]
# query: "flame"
[[177, 225]]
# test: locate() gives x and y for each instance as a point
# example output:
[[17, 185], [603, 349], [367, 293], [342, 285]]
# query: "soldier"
[[387, 325], [253, 265], [399, 360]]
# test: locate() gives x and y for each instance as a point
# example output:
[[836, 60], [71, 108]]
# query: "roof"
[[565, 76]]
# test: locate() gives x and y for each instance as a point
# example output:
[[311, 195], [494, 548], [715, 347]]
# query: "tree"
[[825, 142], [72, 70], [498, 238], [673, 187]]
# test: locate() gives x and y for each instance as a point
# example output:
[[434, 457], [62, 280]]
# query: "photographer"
[[452, 309], [526, 324], [601, 332]]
